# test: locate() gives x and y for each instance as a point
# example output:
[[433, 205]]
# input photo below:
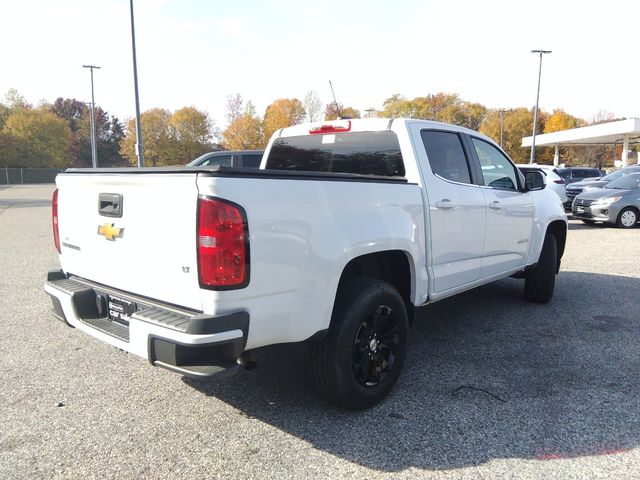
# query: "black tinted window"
[[365, 153], [565, 173], [579, 173], [251, 161], [446, 156], [595, 173], [217, 161]]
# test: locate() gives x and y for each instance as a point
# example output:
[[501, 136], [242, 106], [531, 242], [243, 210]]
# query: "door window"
[[446, 155], [497, 170]]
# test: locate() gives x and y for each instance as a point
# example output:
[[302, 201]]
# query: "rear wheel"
[[627, 218], [540, 280], [360, 359]]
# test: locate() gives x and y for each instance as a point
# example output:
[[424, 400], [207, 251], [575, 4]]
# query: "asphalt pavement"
[[493, 388]]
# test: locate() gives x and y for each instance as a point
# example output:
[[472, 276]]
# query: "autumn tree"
[[282, 113], [312, 106], [439, 107], [14, 100], [560, 120], [70, 110], [331, 111], [464, 114], [192, 129], [245, 132], [35, 138], [160, 148], [517, 123], [109, 132]]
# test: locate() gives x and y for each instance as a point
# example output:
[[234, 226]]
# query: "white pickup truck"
[[346, 228]]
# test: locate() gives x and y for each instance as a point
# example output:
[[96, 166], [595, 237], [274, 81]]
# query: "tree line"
[[58, 134]]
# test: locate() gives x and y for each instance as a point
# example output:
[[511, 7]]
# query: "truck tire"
[[359, 360], [540, 280]]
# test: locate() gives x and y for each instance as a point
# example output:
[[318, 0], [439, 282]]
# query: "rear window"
[[364, 153], [565, 173]]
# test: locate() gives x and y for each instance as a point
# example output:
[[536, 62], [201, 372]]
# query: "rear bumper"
[[190, 343]]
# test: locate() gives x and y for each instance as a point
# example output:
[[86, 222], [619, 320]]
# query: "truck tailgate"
[[148, 248]]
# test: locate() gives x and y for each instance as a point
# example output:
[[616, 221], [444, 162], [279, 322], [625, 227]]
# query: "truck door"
[[509, 211], [456, 209]]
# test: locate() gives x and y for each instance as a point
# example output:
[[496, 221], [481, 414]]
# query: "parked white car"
[[346, 228], [554, 181]]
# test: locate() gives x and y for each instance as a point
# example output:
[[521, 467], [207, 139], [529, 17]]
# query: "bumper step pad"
[[202, 360]]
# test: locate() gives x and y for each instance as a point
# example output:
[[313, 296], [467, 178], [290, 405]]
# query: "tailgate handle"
[[110, 204]]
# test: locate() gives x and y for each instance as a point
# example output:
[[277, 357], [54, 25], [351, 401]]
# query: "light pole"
[[535, 112], [501, 125], [139, 148], [94, 152]]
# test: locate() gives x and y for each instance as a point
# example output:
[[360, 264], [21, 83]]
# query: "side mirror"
[[534, 180]]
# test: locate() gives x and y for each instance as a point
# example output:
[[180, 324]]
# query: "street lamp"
[[94, 153], [535, 112], [139, 149]]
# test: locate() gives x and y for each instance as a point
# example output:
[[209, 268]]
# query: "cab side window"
[[218, 161], [497, 170], [446, 155], [251, 161]]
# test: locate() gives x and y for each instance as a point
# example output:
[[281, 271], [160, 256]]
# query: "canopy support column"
[[556, 156], [625, 151]]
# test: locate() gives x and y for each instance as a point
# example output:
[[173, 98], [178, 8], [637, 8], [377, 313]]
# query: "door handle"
[[110, 204], [495, 206], [445, 204]]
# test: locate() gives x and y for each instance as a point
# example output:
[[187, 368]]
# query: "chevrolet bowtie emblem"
[[110, 232]]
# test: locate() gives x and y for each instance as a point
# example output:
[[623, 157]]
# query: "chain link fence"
[[22, 176]]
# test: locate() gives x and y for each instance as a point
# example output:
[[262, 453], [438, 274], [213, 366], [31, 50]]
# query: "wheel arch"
[[395, 267], [559, 230]]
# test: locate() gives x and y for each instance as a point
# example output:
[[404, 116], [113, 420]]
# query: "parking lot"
[[494, 387]]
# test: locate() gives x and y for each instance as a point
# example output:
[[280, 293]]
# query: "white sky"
[[196, 52]]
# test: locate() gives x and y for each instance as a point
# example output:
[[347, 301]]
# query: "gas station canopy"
[[622, 131]]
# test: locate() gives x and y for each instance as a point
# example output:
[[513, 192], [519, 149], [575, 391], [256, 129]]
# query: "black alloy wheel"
[[361, 357], [374, 348]]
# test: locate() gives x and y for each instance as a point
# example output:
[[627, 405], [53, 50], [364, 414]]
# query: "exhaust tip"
[[247, 361]]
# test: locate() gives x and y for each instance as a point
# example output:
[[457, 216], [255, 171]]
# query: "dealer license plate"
[[119, 309], [580, 209]]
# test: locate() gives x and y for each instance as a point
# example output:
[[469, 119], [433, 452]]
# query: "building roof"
[[604, 133]]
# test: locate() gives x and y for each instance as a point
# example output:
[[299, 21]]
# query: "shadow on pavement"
[[584, 226], [24, 203], [489, 376]]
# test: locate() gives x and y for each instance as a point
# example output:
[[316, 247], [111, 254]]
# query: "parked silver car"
[[575, 189], [617, 203]]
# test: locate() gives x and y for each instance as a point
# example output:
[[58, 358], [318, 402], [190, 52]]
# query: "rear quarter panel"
[[302, 234]]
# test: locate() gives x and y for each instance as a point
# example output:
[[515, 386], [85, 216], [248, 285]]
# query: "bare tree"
[[234, 107], [312, 106]]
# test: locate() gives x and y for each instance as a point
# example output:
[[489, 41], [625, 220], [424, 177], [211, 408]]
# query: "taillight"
[[54, 220], [223, 244], [560, 182], [335, 127]]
